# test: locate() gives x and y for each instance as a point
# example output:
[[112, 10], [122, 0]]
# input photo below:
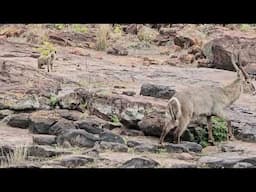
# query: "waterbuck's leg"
[[167, 127], [180, 130], [209, 127], [230, 131]]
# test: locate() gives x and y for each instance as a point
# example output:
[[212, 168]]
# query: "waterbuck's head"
[[247, 83]]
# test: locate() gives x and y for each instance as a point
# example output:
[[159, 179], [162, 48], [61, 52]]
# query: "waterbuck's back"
[[205, 100]]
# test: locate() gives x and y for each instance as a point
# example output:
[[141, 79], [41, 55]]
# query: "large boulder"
[[108, 136], [41, 121], [20, 120], [92, 124], [60, 126], [77, 137], [28, 102], [158, 91], [219, 50]]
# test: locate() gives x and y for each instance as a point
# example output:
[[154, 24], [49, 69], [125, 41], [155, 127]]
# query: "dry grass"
[[102, 37], [17, 157]]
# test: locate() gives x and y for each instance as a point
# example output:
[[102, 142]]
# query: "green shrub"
[[219, 127], [53, 100]]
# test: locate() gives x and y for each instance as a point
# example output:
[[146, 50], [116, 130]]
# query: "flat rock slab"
[[44, 139], [228, 160], [73, 161], [116, 147], [140, 163], [44, 151], [146, 148]]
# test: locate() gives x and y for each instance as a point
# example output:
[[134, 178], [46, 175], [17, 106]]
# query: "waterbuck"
[[205, 101]]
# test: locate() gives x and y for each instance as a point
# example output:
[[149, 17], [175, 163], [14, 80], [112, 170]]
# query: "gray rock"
[[243, 165], [133, 143], [77, 137], [146, 148], [61, 126], [131, 116], [29, 102], [44, 140], [116, 147], [117, 50], [131, 132], [129, 93], [158, 91], [71, 101], [41, 121], [93, 152], [140, 163], [191, 146], [20, 120], [176, 148], [108, 136], [70, 114], [73, 161], [44, 151], [92, 124], [4, 113]]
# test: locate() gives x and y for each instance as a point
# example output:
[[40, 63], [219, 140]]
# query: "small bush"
[[53, 100], [118, 29], [115, 119], [219, 127]]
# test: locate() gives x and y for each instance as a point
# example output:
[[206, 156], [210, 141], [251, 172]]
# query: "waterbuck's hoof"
[[211, 142]]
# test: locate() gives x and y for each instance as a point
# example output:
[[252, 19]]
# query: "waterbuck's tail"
[[174, 108]]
